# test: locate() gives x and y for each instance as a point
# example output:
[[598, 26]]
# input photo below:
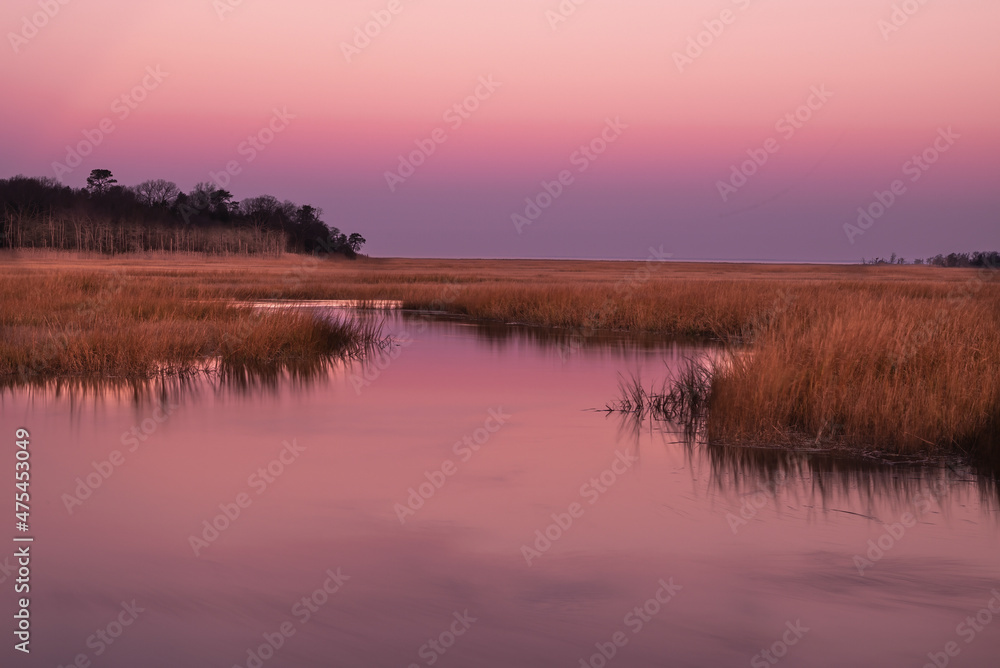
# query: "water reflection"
[[825, 477], [756, 538], [565, 341], [163, 387]]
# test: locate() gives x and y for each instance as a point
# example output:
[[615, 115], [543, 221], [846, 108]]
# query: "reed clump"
[[683, 396], [893, 372], [77, 323]]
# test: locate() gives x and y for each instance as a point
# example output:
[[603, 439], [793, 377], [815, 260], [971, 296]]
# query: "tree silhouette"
[[356, 241], [100, 181], [156, 192], [109, 218]]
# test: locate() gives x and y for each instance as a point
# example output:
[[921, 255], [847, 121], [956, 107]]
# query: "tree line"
[[155, 215], [979, 259]]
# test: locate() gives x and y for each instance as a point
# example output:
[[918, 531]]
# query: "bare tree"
[[156, 192], [260, 210], [201, 196]]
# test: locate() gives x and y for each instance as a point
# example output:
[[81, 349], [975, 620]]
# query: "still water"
[[454, 501]]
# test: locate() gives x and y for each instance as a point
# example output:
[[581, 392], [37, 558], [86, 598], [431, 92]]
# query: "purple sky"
[[512, 92]]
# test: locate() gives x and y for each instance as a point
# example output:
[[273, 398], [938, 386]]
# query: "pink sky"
[[657, 184]]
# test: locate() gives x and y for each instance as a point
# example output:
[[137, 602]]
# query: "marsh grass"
[[683, 396], [898, 359], [76, 323], [881, 372]]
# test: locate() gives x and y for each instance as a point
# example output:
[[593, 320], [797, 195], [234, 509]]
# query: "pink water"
[[748, 551]]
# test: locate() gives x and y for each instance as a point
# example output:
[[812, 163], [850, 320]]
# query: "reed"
[[895, 358], [684, 396], [78, 323], [893, 372]]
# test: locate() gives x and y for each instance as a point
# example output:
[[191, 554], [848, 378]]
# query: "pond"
[[455, 500]]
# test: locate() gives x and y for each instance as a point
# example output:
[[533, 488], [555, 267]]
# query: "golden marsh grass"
[[898, 358]]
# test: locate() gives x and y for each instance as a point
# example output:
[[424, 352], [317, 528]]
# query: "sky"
[[779, 130]]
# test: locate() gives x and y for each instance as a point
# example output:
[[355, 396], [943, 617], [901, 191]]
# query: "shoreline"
[[838, 349]]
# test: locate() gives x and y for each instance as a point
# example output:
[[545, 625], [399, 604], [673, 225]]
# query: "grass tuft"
[[683, 397]]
